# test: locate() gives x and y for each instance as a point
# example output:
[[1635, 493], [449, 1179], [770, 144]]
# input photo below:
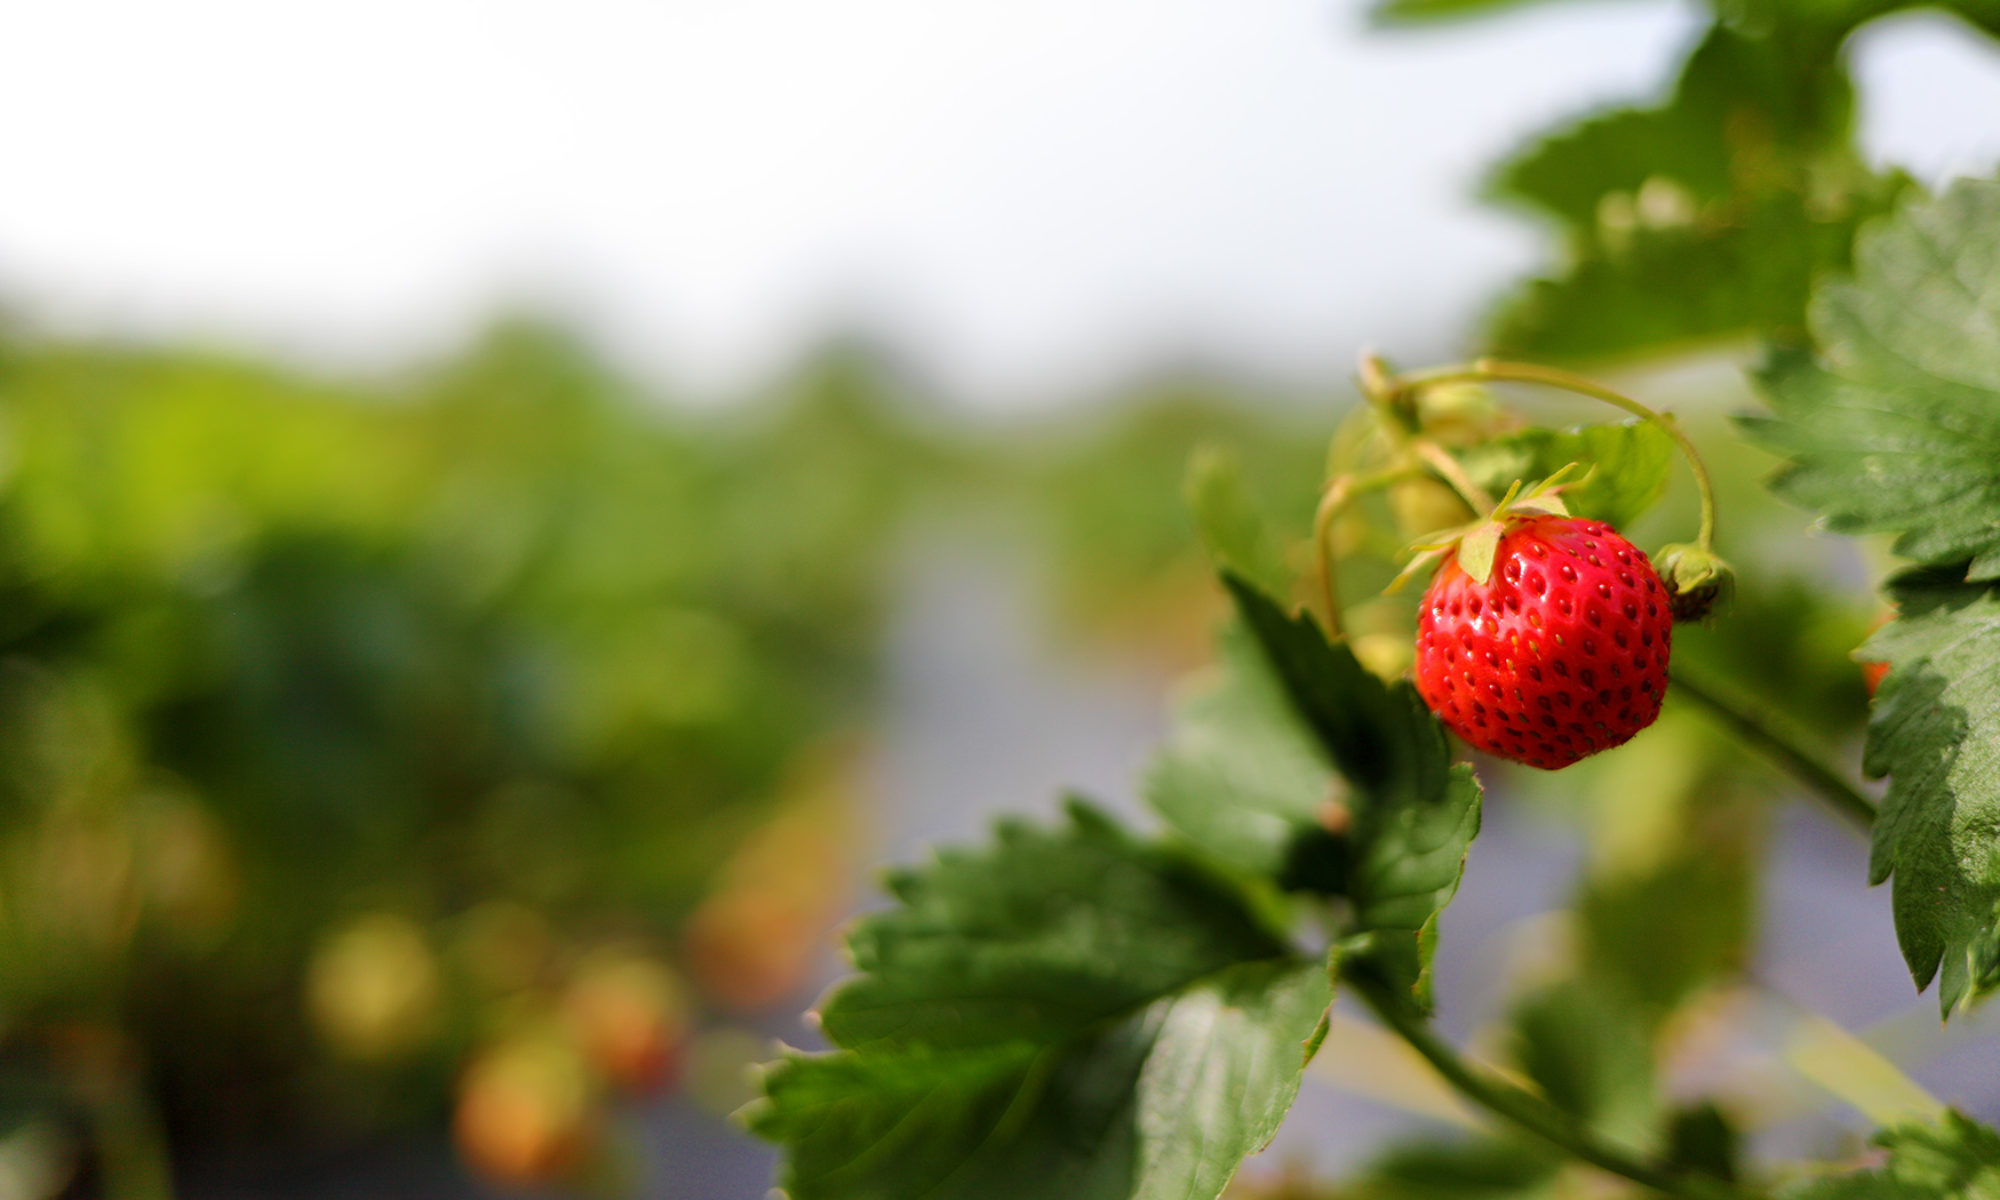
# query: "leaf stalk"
[[1782, 746], [1527, 1110], [1489, 370]]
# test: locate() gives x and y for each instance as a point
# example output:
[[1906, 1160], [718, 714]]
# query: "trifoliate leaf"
[[1896, 426], [1955, 1159], [1243, 778], [1068, 1013], [1628, 466], [1935, 731], [1412, 815]]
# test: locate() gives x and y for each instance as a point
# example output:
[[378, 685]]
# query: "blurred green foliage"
[[282, 657]]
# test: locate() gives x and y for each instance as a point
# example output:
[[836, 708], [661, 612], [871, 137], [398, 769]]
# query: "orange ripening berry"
[[1561, 653]]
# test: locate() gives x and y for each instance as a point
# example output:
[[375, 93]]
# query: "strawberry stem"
[[1344, 490], [1488, 370], [1439, 460], [1523, 1108], [1778, 743]]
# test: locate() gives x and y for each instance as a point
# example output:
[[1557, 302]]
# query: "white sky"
[[1025, 196]]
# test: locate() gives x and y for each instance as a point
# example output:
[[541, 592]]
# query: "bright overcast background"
[[1026, 198]]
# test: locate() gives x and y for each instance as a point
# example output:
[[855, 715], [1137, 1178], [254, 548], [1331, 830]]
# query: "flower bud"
[[1696, 580]]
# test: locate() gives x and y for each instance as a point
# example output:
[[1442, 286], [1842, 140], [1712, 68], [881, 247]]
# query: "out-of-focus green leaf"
[[1956, 1159], [1236, 533], [1487, 1168], [1744, 111], [1895, 426], [1071, 1013], [1703, 1137], [1709, 216], [1628, 466], [1242, 777], [1590, 1052], [1411, 815]]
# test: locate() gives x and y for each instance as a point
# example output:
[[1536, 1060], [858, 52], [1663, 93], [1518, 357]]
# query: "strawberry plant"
[[1082, 1009]]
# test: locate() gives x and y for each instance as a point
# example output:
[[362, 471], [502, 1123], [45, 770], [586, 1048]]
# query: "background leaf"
[[1631, 461], [1231, 524], [1708, 216], [1956, 1159]]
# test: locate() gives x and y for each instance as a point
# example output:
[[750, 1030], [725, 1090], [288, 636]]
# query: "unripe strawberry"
[[1559, 653]]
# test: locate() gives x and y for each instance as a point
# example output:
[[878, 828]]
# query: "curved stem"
[[1529, 1111], [1332, 503], [1779, 744], [1488, 370], [1343, 491], [1438, 459]]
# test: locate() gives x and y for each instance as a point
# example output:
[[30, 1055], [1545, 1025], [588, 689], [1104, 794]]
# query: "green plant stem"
[[1529, 1111], [1779, 744], [1488, 370], [1343, 491]]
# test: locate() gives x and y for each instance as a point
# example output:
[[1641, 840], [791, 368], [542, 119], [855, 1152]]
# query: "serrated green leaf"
[[1242, 777], [1381, 738], [1236, 533], [1070, 1012], [1896, 426], [1035, 939], [1955, 1159], [1629, 464], [1408, 861], [1935, 731], [1413, 814], [1162, 1105]]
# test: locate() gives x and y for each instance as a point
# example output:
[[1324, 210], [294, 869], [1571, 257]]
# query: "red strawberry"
[[1560, 653]]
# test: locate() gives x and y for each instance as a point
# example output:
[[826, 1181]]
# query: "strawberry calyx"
[[1478, 542]]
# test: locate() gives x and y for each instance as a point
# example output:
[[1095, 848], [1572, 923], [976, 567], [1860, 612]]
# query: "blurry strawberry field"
[[460, 756]]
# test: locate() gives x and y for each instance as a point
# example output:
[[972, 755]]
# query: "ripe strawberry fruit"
[[1559, 653]]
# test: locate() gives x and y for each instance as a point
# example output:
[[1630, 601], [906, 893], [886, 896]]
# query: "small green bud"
[[1696, 580]]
